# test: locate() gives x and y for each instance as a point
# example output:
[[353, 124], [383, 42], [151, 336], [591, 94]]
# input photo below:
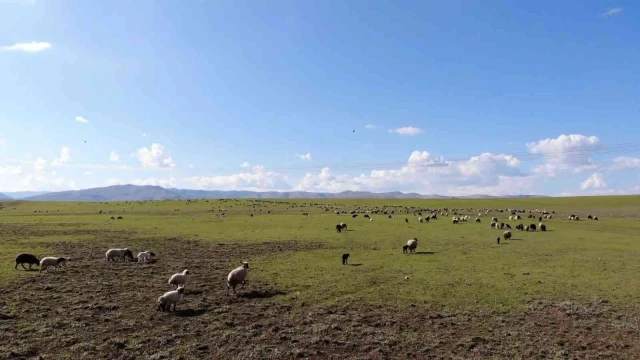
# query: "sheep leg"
[[25, 267]]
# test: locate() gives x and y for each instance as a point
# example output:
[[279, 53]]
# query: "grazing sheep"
[[520, 227], [26, 259], [494, 219], [406, 220], [119, 217], [345, 258], [343, 226], [237, 276], [477, 220], [354, 216], [339, 228], [532, 227], [426, 219], [405, 249], [589, 217], [493, 225], [48, 261], [455, 220], [412, 244], [595, 218], [119, 254], [170, 298], [146, 256], [542, 227], [366, 215], [506, 235], [420, 219], [507, 226], [179, 279]]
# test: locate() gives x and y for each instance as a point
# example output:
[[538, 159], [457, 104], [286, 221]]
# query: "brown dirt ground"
[[92, 310]]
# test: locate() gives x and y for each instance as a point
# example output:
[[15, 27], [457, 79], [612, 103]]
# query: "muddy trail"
[[92, 310]]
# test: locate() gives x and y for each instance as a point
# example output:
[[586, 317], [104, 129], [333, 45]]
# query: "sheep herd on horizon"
[[238, 275]]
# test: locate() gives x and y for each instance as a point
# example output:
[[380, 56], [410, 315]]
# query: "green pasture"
[[455, 267]]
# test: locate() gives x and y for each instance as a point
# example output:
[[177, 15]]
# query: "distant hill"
[[134, 192], [24, 194], [5, 197]]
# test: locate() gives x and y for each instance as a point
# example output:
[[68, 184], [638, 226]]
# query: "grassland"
[[458, 287]]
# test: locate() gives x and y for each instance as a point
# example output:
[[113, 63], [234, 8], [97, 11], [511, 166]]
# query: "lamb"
[[345, 258], [542, 227], [506, 235], [146, 256], [237, 276], [26, 259], [179, 279], [405, 249], [412, 244], [48, 261], [170, 298]]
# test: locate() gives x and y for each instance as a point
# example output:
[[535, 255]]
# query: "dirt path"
[[91, 310]]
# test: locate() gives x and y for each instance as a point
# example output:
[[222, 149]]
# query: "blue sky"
[[461, 97]]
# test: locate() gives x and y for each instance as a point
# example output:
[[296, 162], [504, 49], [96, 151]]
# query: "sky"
[[435, 97]]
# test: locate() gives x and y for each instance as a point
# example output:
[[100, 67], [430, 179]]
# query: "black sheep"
[[405, 249], [345, 258], [26, 259], [338, 228]]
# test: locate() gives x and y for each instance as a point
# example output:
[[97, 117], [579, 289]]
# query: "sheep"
[[237, 276], [595, 218], [343, 226], [426, 219], [532, 227], [339, 228], [494, 219], [455, 220], [170, 298], [406, 220], [179, 279], [493, 225], [412, 244], [507, 226], [366, 215], [26, 259], [542, 227], [498, 240], [119, 254], [345, 258], [146, 256], [48, 261], [520, 227], [477, 220], [506, 235], [405, 249], [420, 219]]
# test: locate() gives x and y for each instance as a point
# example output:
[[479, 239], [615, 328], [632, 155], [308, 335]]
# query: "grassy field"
[[295, 259]]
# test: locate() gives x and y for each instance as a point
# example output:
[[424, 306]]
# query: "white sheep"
[[237, 276], [48, 261], [119, 254], [412, 244], [179, 279], [146, 256], [170, 298]]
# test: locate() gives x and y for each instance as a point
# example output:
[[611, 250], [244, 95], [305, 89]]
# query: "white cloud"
[[245, 165], [33, 46], [111, 182], [155, 157], [114, 157], [611, 12], [166, 183], [566, 153], [257, 179], [65, 157], [623, 163], [80, 119], [372, 126], [306, 157], [10, 170], [594, 182], [427, 174], [39, 164], [2, 142], [407, 131], [87, 173]]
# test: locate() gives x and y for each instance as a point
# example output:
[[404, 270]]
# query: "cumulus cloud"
[[245, 165], [10, 170], [166, 183], [65, 157], [155, 157], [594, 182], [407, 131], [611, 12], [80, 119], [114, 157], [566, 153], [34, 46], [624, 163], [498, 174], [257, 179], [372, 126], [39, 164], [306, 157]]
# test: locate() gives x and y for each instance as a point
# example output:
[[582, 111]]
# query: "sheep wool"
[[237, 276], [51, 261], [170, 298], [179, 279]]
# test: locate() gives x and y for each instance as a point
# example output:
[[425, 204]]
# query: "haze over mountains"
[[135, 192]]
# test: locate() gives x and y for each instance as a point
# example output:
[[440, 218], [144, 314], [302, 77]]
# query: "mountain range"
[[135, 192]]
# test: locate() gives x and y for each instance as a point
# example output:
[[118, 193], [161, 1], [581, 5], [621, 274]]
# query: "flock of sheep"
[[177, 281]]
